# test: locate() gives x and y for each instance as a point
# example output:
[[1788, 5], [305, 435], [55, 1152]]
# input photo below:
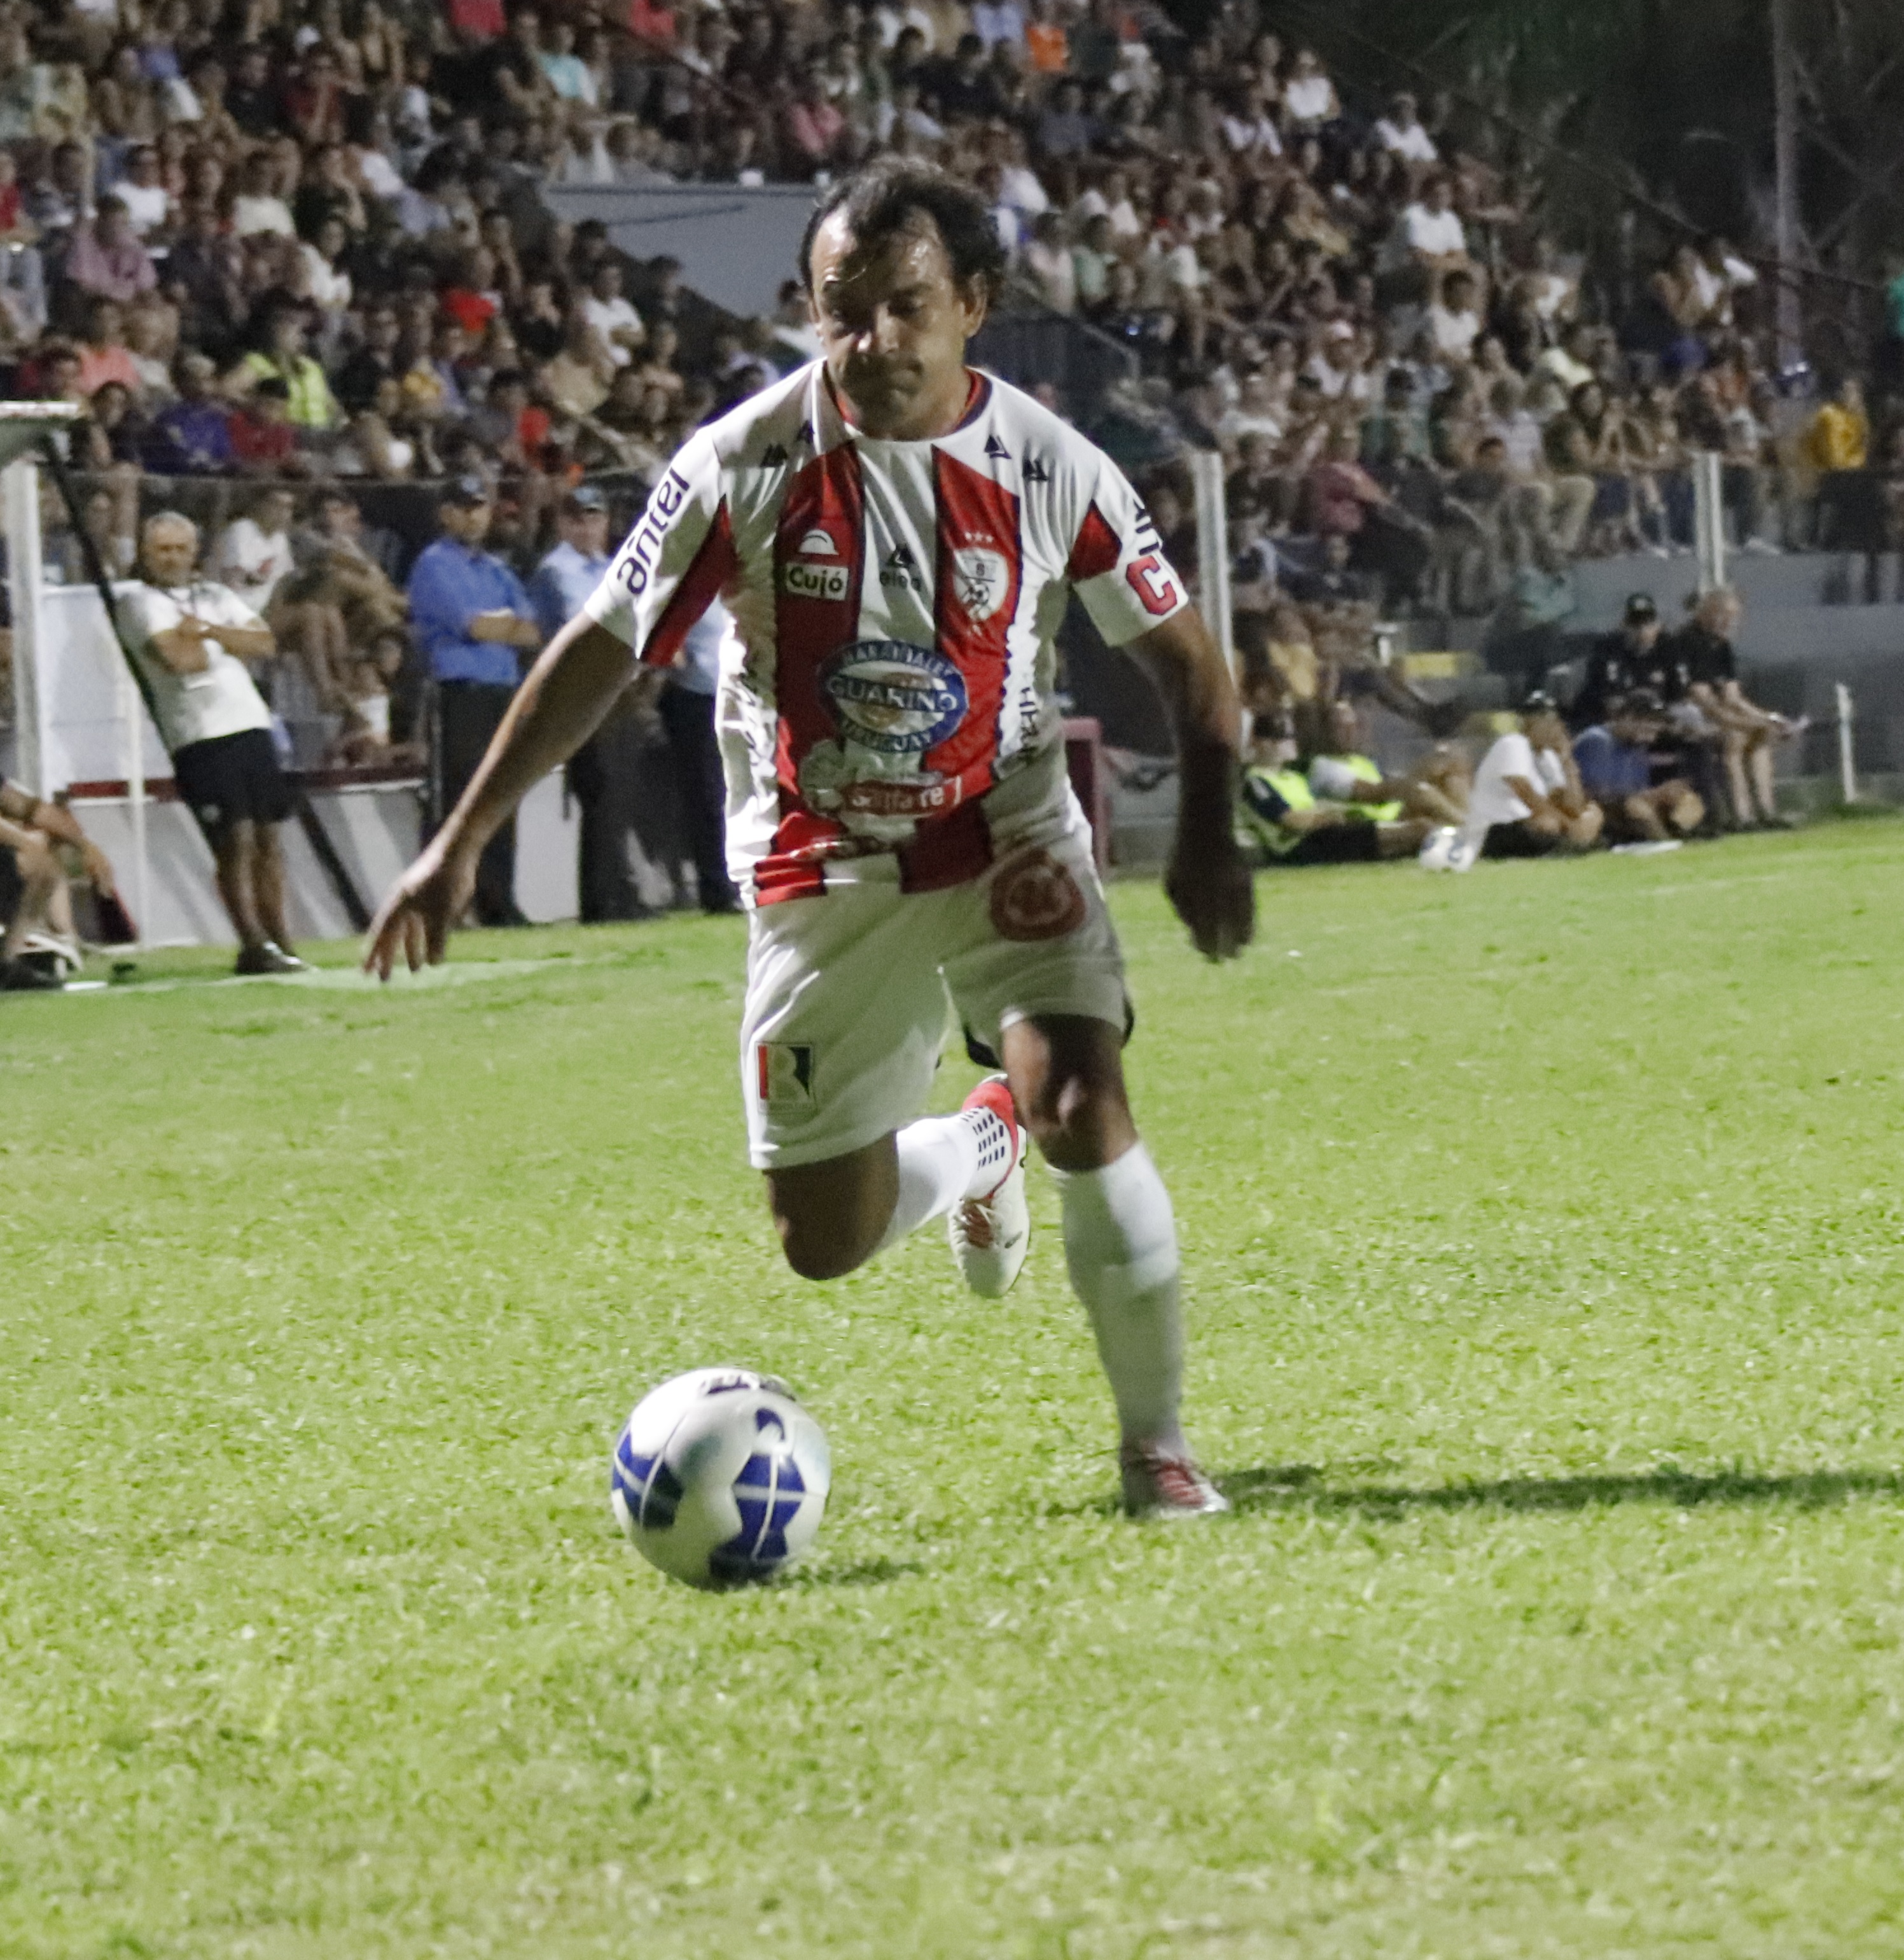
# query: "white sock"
[[1120, 1246], [944, 1161]]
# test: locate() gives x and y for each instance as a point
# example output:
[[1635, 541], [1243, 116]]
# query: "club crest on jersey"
[[983, 579], [893, 697]]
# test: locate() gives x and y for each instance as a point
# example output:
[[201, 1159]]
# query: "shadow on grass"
[[865, 1572], [1301, 1487]]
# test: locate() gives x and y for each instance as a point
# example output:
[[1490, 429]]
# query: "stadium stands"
[[305, 241]]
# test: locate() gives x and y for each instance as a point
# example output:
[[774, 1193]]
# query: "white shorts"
[[846, 994]]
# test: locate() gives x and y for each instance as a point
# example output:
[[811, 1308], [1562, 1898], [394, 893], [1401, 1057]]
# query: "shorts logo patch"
[[1034, 897], [982, 577], [784, 1074]]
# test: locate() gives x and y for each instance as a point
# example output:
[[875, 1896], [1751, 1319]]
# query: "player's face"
[[893, 324]]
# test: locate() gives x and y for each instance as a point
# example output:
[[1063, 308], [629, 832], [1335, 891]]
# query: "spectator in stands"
[[1621, 663], [105, 260], [1838, 445], [195, 642], [1614, 757], [191, 437], [473, 622], [252, 554], [1527, 800], [35, 904], [263, 443]]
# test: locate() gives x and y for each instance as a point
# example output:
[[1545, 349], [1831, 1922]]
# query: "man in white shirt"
[[1432, 229], [612, 315], [1526, 801], [193, 638], [1454, 316], [148, 204], [253, 552], [1400, 130]]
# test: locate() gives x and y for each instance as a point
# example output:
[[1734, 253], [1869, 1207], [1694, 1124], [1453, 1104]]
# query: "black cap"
[[1539, 702], [1641, 701], [584, 497], [1639, 609], [466, 492]]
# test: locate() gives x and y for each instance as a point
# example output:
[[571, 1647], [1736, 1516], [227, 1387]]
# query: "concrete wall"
[[735, 246]]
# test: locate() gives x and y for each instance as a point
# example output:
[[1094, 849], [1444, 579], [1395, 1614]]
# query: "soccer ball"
[[1447, 849], [721, 1477]]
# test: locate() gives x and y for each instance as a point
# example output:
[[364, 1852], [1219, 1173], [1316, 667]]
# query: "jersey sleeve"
[[1117, 565], [675, 560]]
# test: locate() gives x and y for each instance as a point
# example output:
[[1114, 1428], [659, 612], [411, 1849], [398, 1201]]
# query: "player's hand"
[[414, 921], [1210, 884]]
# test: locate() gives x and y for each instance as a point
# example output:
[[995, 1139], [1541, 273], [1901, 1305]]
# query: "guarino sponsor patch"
[[891, 702]]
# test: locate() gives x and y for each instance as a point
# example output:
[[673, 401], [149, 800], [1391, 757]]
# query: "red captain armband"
[[1150, 580]]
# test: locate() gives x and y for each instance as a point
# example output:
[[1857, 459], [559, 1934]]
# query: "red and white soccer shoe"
[[1159, 1483], [991, 1235]]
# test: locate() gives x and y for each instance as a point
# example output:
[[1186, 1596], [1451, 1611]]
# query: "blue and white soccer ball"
[[721, 1477]]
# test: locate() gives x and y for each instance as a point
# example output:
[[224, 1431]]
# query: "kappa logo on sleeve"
[[784, 1074]]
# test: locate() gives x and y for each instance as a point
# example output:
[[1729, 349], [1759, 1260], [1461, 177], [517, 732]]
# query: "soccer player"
[[897, 537]]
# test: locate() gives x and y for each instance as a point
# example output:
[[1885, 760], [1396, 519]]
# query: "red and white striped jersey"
[[887, 687]]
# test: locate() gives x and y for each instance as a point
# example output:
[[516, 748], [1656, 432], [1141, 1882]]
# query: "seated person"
[[364, 682], [1615, 759], [1527, 800], [1436, 788], [33, 898], [1284, 822], [1712, 710]]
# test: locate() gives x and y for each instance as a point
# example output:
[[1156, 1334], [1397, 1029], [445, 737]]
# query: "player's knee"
[[1076, 1118], [820, 1250]]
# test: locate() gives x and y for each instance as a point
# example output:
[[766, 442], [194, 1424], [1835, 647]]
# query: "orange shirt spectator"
[[1047, 51]]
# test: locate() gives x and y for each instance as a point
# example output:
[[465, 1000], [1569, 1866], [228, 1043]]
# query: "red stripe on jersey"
[[714, 564], [1096, 550], [816, 596], [947, 852], [979, 569]]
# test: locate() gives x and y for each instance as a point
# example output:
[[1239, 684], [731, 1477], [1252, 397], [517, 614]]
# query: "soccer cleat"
[[21, 976], [1158, 1484], [269, 958], [991, 1235]]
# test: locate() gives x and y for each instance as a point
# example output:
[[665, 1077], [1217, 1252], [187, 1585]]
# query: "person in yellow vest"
[[283, 358], [1838, 446], [1436, 790], [1283, 820]]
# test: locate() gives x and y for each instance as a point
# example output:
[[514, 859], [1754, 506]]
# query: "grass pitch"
[[1543, 1249]]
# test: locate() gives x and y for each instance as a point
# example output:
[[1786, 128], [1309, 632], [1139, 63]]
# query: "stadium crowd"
[[293, 255]]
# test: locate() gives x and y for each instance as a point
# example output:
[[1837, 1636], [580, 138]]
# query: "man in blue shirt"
[[1615, 764], [473, 621]]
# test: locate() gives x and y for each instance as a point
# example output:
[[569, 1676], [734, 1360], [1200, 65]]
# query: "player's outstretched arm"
[[1209, 880], [557, 707]]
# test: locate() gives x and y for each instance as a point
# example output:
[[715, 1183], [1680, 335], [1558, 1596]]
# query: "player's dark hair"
[[883, 196]]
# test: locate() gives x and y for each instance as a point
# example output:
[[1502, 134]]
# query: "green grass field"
[[1543, 1240]]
